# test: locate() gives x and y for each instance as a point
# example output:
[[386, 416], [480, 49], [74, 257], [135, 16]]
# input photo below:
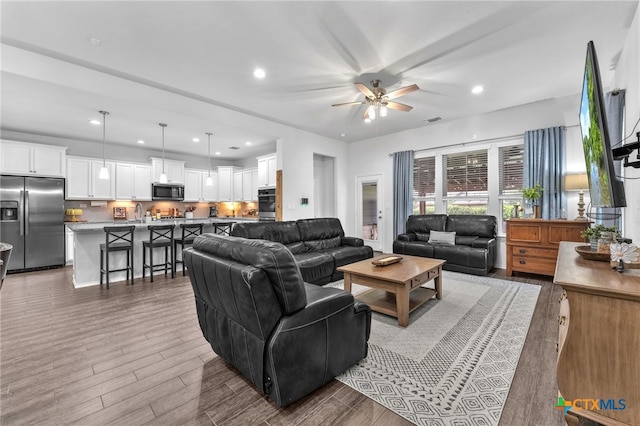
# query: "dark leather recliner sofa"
[[475, 248], [286, 336], [318, 245]]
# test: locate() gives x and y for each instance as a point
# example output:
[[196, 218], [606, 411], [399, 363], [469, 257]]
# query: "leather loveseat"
[[286, 336], [472, 249], [318, 245]]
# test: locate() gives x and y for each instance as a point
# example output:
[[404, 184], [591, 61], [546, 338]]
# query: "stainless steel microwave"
[[167, 191]]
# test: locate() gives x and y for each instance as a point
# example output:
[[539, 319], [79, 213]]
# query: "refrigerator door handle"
[[21, 213], [26, 212]]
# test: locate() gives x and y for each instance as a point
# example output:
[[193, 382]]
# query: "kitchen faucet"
[[138, 208]]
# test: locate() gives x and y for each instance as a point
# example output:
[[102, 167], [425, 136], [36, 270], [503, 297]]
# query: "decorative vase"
[[594, 244], [528, 209]]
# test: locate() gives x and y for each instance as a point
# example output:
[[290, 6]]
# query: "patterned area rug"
[[454, 363]]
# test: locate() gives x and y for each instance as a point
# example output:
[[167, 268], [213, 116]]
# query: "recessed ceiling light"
[[195, 140], [477, 89], [218, 153], [342, 135], [95, 122], [248, 143], [140, 141], [259, 73], [96, 41]]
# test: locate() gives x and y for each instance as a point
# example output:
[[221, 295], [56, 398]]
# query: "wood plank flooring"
[[135, 355]]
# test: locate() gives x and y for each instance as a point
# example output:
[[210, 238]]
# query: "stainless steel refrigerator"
[[32, 220]]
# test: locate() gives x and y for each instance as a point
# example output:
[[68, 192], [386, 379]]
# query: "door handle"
[[26, 212], [21, 214]]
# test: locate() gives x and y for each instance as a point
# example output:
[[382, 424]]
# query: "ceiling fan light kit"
[[378, 101]]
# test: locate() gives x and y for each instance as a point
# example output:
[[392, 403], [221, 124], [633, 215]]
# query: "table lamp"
[[577, 182], [73, 213]]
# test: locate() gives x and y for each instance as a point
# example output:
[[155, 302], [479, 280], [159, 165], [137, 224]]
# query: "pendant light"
[[163, 175], [104, 171], [209, 180]]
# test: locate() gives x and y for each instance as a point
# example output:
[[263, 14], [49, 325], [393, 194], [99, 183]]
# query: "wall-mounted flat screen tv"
[[605, 189]]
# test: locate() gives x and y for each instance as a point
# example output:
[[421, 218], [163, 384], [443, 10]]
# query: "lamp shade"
[[576, 182]]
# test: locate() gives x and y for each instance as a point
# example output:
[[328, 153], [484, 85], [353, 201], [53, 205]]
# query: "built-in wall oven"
[[267, 204]]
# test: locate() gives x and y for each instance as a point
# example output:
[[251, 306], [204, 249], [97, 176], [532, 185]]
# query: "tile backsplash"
[[93, 211]]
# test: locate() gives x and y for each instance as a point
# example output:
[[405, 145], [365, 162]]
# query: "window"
[[424, 185], [511, 180], [466, 182]]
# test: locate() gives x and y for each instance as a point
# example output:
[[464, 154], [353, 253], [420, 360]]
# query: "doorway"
[[369, 210], [324, 187]]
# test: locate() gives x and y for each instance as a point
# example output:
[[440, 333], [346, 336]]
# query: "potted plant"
[[595, 232], [533, 194]]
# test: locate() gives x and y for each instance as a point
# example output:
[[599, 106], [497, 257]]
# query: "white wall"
[[296, 151], [324, 191], [627, 77]]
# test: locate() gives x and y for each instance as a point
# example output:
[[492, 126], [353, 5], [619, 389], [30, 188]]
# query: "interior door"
[[369, 210]]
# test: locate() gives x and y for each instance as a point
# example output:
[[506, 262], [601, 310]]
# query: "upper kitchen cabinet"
[[267, 171], [133, 181], [246, 185], [83, 182], [226, 183], [196, 188], [174, 170], [29, 159]]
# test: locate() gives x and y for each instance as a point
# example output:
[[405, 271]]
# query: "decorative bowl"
[[586, 253]]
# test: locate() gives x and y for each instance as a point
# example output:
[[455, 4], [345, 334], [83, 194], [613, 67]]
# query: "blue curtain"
[[402, 190], [544, 164], [614, 107]]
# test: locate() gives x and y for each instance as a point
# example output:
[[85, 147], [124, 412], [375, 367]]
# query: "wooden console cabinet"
[[532, 244], [599, 340]]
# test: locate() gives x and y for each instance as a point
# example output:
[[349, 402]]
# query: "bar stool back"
[[159, 236], [189, 233], [117, 238]]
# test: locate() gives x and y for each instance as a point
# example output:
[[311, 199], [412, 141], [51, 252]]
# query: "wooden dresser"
[[599, 340], [532, 244]]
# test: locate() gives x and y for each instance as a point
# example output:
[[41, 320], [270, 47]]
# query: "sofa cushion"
[[422, 236], [316, 268], [438, 237], [426, 223], [466, 240], [462, 255], [347, 254], [413, 248], [318, 245], [281, 232], [471, 224], [320, 228]]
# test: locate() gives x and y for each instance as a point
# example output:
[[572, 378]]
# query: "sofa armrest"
[[485, 243], [351, 241], [409, 236], [315, 344]]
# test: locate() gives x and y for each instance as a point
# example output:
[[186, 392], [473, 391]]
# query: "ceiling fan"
[[378, 100]]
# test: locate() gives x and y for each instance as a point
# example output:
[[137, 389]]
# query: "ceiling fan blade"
[[365, 90], [402, 91], [349, 103], [398, 106]]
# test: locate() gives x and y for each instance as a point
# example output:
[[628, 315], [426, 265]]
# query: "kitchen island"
[[89, 235]]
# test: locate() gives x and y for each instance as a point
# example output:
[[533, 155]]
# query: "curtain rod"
[[498, 138]]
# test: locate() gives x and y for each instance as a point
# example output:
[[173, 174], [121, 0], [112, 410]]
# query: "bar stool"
[[159, 236], [189, 233], [117, 238], [223, 228]]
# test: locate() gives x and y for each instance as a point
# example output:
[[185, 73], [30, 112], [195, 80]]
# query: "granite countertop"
[[98, 225]]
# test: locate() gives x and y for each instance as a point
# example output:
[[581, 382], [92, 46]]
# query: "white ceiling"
[[190, 65]]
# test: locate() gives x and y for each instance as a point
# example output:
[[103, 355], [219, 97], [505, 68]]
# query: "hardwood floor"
[[134, 355]]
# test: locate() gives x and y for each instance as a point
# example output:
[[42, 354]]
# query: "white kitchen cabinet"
[[267, 171], [83, 183], [196, 188], [237, 185], [133, 181], [174, 170], [225, 183], [29, 159], [68, 246], [250, 185]]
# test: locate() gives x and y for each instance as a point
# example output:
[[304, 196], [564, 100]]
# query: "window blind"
[[424, 177], [511, 169], [466, 173]]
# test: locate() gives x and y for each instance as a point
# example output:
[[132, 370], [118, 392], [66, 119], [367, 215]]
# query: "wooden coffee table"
[[396, 289]]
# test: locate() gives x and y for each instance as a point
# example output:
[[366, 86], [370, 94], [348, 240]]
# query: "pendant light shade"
[[163, 175], [209, 180], [104, 171]]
